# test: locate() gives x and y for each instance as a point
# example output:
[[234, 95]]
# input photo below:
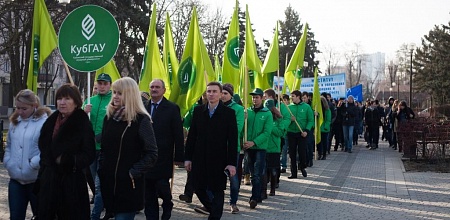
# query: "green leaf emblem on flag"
[[36, 55], [186, 75], [299, 73], [233, 52]]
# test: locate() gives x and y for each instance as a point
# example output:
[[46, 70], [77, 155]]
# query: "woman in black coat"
[[67, 148], [128, 150]]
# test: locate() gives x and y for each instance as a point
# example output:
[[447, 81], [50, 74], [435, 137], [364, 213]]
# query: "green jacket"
[[240, 118], [286, 120], [259, 127], [304, 115], [99, 103], [326, 122], [275, 137]]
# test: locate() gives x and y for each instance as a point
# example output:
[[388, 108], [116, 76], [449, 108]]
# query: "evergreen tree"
[[431, 66], [290, 32]]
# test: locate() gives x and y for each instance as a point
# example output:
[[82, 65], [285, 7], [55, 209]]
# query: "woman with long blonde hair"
[[128, 150]]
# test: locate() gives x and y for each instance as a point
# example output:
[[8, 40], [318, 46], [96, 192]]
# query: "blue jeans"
[[348, 136], [257, 167], [235, 184], [18, 196], [284, 152], [98, 201], [124, 216]]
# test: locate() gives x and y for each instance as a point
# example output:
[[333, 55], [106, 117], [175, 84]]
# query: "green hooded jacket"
[[325, 127], [304, 115], [99, 103], [240, 118], [275, 137], [259, 127]]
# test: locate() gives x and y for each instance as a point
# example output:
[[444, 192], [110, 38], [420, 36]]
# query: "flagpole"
[[245, 101], [295, 120], [278, 89], [68, 73], [295, 78], [89, 88], [315, 130]]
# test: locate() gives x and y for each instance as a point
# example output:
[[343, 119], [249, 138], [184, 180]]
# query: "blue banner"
[[356, 92]]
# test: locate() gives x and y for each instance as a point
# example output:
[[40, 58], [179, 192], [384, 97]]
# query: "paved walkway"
[[362, 185]]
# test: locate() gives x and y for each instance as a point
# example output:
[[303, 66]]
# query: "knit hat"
[[269, 103], [229, 88]]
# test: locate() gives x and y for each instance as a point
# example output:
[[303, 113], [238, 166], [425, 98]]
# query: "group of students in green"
[[270, 122]]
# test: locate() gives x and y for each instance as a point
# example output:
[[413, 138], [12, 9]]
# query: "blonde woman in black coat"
[[128, 151]]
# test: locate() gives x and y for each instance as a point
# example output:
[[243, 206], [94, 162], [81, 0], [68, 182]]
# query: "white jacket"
[[22, 153]]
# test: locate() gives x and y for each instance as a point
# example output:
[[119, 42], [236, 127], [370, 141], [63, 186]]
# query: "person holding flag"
[[302, 121], [260, 123]]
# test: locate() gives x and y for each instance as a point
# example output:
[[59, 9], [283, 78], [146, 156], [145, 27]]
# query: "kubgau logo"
[[233, 52], [88, 27]]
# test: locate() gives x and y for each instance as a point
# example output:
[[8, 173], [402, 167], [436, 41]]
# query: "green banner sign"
[[88, 38]]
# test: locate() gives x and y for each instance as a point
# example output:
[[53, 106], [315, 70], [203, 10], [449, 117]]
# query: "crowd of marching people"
[[123, 144]]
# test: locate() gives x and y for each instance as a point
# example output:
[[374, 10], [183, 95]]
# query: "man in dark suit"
[[211, 150], [168, 129]]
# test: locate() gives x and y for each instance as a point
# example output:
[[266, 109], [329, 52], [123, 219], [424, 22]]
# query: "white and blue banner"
[[356, 92], [333, 84]]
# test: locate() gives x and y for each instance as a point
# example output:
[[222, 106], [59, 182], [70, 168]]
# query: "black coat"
[[126, 150], [62, 187], [348, 112], [211, 146], [168, 129]]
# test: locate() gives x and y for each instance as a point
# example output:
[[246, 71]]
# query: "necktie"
[[155, 105]]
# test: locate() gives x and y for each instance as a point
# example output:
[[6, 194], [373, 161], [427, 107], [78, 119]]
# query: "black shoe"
[[283, 170], [292, 177], [335, 149], [328, 151], [253, 204], [277, 186], [324, 158], [202, 210], [345, 150], [350, 151], [186, 198], [264, 196], [320, 158], [310, 164], [108, 215], [304, 173]]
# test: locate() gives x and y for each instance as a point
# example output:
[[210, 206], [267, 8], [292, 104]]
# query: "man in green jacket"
[[97, 111], [301, 115], [259, 128]]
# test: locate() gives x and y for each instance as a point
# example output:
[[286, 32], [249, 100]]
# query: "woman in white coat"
[[22, 153]]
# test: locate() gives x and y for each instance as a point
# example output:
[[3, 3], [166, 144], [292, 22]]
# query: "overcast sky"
[[376, 25]]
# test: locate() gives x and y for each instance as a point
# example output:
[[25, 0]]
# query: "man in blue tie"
[[168, 129]]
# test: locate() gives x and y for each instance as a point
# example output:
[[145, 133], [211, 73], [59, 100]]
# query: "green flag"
[[194, 69], [230, 63], [217, 69], [111, 69], [169, 56], [265, 79], [152, 66], [293, 73], [252, 59], [43, 42], [317, 107], [271, 63]]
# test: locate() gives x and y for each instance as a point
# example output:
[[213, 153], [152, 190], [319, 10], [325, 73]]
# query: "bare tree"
[[331, 57], [351, 57]]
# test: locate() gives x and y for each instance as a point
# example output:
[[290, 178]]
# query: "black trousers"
[[155, 188], [214, 205], [297, 144], [189, 187], [374, 134]]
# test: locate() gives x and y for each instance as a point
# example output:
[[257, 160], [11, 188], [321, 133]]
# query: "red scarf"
[[59, 122]]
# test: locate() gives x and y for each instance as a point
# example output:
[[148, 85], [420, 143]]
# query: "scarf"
[[118, 113], [59, 122]]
